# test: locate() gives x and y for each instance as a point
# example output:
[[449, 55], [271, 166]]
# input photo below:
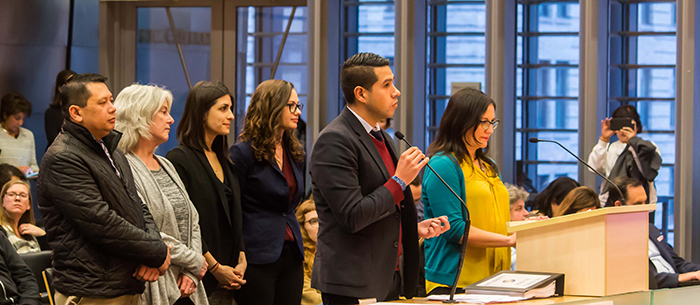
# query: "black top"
[[53, 120], [220, 217], [18, 280]]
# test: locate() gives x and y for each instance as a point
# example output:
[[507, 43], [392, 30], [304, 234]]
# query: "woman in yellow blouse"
[[457, 155]]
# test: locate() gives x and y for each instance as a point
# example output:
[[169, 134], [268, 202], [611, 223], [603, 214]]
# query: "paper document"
[[513, 280], [476, 298]]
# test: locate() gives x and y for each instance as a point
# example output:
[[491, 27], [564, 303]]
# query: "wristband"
[[215, 266], [400, 182]]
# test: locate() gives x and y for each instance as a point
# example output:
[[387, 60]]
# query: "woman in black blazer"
[[268, 164], [212, 185]]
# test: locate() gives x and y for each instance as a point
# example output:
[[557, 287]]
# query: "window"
[[547, 90], [642, 74], [368, 26], [83, 40], [456, 50], [261, 31], [158, 60]]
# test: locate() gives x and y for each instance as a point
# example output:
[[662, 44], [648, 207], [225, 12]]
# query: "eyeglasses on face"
[[14, 195], [293, 107], [485, 124]]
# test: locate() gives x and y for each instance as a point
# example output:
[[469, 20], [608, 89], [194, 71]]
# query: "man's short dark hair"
[[358, 70], [75, 91], [14, 103], [624, 183]]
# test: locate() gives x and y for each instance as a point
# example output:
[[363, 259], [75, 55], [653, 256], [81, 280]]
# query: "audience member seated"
[[19, 285], [16, 142], [630, 156], [667, 268], [53, 119], [548, 202], [417, 198], [517, 195], [17, 218], [9, 172], [143, 116], [580, 199], [518, 212], [308, 218]]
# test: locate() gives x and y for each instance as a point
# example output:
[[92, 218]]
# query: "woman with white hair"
[[143, 116]]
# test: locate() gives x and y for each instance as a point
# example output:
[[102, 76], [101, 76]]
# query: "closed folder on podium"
[[601, 252]]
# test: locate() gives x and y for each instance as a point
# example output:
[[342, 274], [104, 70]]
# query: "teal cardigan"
[[442, 252]]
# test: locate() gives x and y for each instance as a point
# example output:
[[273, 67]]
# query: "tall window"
[[158, 60], [547, 90], [456, 50], [262, 30], [642, 74], [368, 26]]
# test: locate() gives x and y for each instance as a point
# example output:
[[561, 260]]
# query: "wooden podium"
[[601, 252]]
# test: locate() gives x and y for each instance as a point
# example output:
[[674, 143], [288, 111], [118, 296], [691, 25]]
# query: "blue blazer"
[[668, 280], [265, 202]]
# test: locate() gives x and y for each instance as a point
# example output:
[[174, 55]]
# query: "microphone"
[[622, 196], [467, 225]]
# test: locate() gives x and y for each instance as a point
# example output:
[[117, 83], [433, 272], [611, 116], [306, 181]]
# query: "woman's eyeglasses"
[[485, 124], [14, 195], [294, 107]]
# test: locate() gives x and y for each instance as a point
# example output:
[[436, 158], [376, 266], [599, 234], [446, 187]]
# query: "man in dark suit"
[[366, 213], [665, 266]]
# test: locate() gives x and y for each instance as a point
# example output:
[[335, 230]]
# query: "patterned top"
[[179, 203], [22, 245]]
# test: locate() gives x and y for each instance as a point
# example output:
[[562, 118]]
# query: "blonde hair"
[[309, 245], [578, 199], [27, 217]]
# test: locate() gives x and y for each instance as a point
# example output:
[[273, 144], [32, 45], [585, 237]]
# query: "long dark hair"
[[554, 192], [262, 121], [61, 79], [463, 113], [7, 171], [190, 131]]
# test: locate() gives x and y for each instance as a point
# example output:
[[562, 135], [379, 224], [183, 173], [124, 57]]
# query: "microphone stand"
[[467, 225], [622, 196]]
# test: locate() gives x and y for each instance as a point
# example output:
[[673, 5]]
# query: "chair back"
[[37, 263]]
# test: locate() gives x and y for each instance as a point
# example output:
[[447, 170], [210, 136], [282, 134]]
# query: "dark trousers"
[[334, 299], [277, 283]]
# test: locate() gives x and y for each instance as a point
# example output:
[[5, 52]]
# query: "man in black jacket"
[[666, 268], [18, 283], [104, 240]]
